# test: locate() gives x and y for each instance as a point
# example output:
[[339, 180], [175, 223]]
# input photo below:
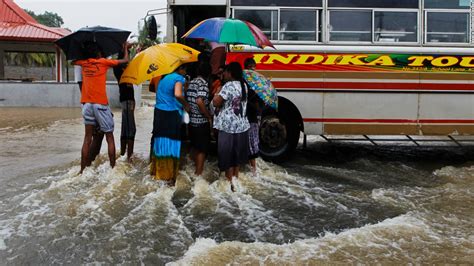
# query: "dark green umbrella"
[[109, 40]]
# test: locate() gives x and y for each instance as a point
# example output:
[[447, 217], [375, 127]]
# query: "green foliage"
[[142, 38], [49, 19], [30, 59]]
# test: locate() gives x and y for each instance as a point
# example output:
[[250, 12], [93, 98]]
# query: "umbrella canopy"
[[158, 60], [262, 87], [109, 40], [230, 31]]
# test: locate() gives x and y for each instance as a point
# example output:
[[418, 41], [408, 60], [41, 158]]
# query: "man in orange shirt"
[[95, 105]]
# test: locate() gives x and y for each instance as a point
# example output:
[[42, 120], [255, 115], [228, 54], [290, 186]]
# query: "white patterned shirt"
[[232, 116]]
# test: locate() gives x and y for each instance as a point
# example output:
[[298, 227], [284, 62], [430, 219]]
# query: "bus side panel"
[[370, 113], [309, 105], [443, 114]]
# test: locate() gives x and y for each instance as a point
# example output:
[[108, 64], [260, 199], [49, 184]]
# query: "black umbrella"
[[109, 40]]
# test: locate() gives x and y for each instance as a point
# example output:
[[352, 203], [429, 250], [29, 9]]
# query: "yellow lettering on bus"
[[313, 59], [352, 60], [258, 58], [467, 61], [418, 61], [444, 61], [331, 59], [280, 58], [384, 60]]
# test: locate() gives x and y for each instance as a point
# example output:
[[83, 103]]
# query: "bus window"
[[292, 3], [374, 3], [266, 20], [392, 26], [292, 29], [447, 27], [448, 4], [350, 26]]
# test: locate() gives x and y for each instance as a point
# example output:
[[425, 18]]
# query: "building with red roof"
[[19, 32]]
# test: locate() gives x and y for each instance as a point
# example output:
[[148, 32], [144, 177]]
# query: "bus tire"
[[279, 132]]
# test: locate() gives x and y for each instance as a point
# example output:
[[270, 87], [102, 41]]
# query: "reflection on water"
[[345, 204], [18, 119]]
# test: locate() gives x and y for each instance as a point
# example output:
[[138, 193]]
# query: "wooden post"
[[2, 66], [59, 66]]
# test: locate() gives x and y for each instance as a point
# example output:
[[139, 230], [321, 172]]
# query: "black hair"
[[249, 61], [203, 57], [183, 66], [91, 50], [204, 70], [236, 72]]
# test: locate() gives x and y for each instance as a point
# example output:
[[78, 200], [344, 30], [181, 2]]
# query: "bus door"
[[186, 16]]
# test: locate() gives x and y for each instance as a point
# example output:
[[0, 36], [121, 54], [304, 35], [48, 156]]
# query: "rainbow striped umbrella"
[[229, 31]]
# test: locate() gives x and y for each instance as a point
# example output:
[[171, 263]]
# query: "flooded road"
[[330, 204]]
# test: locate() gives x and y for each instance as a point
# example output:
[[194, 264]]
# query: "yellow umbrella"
[[158, 60]]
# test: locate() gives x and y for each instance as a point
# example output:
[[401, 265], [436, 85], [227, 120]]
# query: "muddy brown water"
[[349, 203]]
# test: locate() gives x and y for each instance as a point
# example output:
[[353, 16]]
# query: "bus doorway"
[[185, 17]]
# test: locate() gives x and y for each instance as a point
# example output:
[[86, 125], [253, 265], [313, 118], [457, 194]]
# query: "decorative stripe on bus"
[[368, 80], [389, 121], [372, 86], [295, 75]]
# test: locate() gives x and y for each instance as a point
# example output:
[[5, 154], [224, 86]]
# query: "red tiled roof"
[[16, 24]]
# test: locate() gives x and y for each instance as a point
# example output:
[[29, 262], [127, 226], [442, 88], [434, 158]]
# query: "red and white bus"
[[355, 67]]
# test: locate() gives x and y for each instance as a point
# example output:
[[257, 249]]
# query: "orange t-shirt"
[[94, 75]]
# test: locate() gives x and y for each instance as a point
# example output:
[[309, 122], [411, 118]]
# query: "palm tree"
[[29, 59], [143, 38]]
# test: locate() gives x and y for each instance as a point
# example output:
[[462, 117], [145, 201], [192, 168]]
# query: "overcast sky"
[[111, 13]]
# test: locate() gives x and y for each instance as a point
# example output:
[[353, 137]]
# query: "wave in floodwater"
[[366, 209], [121, 215]]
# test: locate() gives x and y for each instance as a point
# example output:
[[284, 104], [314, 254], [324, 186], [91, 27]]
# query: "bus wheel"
[[279, 136]]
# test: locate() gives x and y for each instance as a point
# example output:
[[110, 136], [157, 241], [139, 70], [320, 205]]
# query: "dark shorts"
[[232, 149], [128, 121], [200, 136]]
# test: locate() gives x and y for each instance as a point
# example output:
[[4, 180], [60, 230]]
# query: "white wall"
[[23, 94]]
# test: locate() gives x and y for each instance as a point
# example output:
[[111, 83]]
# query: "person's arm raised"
[[125, 54]]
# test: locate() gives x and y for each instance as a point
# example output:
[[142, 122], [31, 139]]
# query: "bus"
[[354, 67]]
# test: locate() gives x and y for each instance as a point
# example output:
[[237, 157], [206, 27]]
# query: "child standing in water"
[[95, 105]]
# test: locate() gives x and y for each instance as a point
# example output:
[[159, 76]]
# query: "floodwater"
[[348, 203]]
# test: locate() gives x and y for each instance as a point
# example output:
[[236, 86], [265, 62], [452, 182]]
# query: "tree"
[[143, 35], [49, 19]]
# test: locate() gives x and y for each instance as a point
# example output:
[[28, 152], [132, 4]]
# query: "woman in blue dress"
[[166, 140]]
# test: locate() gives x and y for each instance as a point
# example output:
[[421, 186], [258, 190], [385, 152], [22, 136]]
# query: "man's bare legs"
[[109, 137], [89, 130], [97, 137], [87, 146]]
